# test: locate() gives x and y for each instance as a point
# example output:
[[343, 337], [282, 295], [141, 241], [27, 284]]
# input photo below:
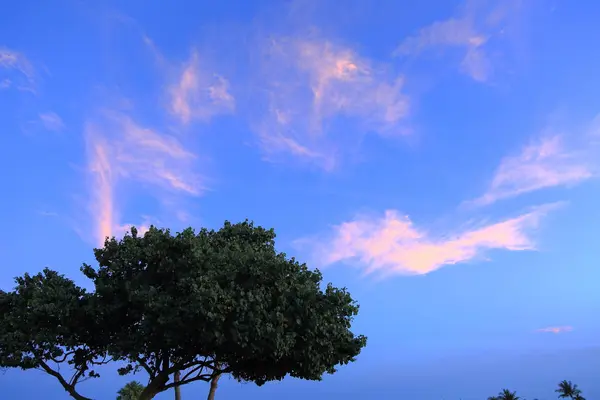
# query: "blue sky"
[[439, 160]]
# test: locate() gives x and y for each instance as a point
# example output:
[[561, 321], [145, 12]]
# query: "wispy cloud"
[[393, 245], [471, 32], [556, 329], [198, 94], [309, 83], [544, 163], [102, 199], [11, 60], [45, 213], [119, 149], [52, 121]]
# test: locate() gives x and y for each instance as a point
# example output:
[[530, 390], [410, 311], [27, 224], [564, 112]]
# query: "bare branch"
[[205, 378], [195, 369], [75, 378], [63, 359], [69, 388], [142, 362]]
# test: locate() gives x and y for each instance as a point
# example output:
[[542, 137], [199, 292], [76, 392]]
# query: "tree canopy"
[[47, 321], [131, 391], [201, 303]]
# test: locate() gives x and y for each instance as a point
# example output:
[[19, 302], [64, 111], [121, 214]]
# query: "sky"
[[440, 160]]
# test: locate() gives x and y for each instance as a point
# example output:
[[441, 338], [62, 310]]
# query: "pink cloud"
[[471, 32], [556, 329], [119, 150], [199, 95], [541, 164], [392, 244], [102, 206], [310, 82]]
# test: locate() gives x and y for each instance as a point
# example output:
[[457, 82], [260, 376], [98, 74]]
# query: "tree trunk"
[[147, 394], [177, 388], [213, 387], [154, 387]]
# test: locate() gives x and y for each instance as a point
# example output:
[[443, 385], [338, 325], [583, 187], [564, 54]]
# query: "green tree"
[[130, 391], [202, 304], [566, 389], [45, 322]]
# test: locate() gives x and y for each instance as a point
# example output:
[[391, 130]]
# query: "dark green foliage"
[[131, 391], [221, 302], [47, 321], [204, 304]]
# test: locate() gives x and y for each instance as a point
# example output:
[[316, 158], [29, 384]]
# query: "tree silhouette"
[[567, 389], [131, 391], [505, 394]]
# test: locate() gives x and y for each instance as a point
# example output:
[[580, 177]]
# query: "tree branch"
[[75, 378], [67, 354], [195, 369], [146, 367], [165, 362], [69, 388], [205, 378]]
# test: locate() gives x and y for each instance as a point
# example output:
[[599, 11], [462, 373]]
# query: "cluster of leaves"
[[566, 390], [131, 391], [193, 304]]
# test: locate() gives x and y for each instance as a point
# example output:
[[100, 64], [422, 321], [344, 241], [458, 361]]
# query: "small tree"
[[131, 391], [505, 394], [198, 304], [47, 321]]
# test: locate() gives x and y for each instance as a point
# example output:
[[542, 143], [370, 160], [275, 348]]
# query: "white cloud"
[[542, 164], [52, 121], [471, 32]]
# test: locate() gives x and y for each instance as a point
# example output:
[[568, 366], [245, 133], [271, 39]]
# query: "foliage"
[[566, 389], [505, 394], [131, 391], [46, 322], [202, 304]]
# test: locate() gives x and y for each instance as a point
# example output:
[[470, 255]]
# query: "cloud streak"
[[556, 329], [392, 244], [544, 163], [52, 121], [119, 149], [310, 83]]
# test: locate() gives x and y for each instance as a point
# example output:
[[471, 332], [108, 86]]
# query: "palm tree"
[[131, 391], [568, 389], [505, 394]]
